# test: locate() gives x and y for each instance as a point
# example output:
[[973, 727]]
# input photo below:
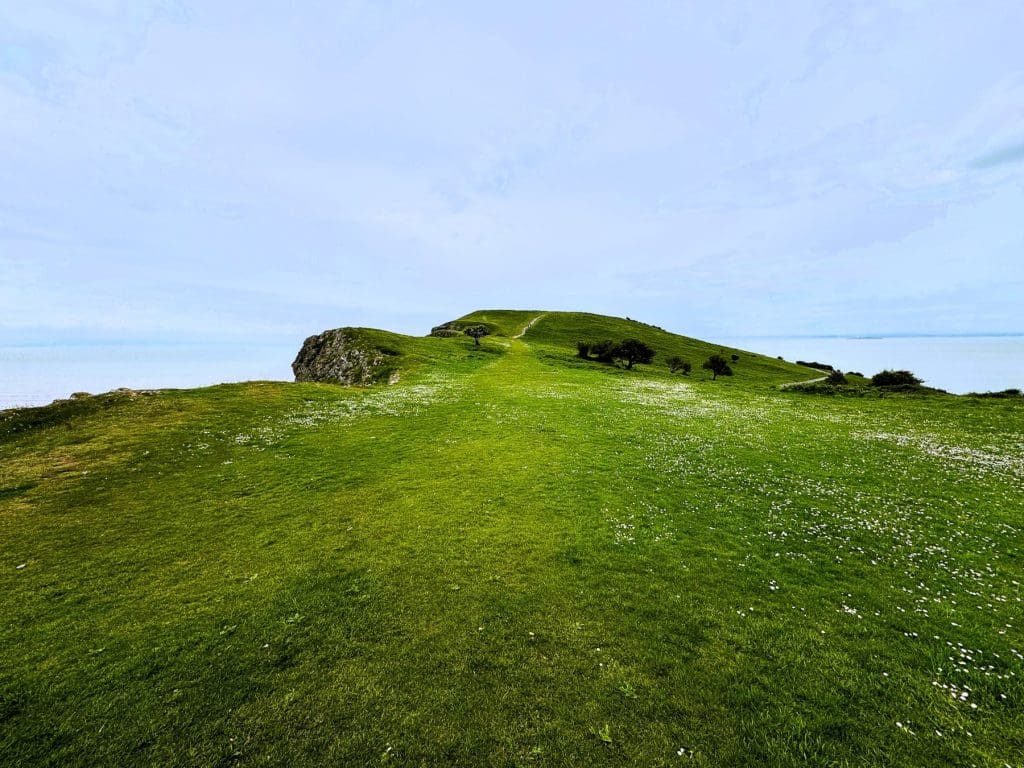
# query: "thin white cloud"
[[706, 165]]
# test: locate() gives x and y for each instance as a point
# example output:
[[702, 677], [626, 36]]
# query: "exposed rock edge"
[[342, 356]]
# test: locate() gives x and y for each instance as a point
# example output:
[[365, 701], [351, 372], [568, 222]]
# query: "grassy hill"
[[553, 335], [409, 355], [513, 557]]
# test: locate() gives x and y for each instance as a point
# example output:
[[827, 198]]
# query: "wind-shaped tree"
[[477, 332]]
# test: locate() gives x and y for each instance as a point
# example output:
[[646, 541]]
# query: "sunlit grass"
[[513, 558]]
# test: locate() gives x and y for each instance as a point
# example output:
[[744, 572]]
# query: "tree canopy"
[[718, 366], [676, 363], [477, 332], [631, 351]]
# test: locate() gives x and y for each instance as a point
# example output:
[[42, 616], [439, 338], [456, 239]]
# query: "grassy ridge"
[[510, 560], [411, 355], [563, 329], [556, 334], [499, 322]]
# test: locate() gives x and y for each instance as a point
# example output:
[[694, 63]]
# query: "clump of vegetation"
[[734, 357], [632, 351], [889, 378], [1013, 392], [882, 383], [814, 364], [844, 390], [628, 351], [676, 364], [718, 366], [604, 351]]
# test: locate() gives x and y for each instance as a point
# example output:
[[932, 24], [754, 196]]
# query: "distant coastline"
[[37, 374], [958, 363], [985, 335]]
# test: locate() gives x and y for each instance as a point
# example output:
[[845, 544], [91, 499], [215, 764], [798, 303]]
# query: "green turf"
[[514, 557], [501, 322]]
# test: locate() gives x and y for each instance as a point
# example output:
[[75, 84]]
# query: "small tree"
[[735, 358], [895, 379], [718, 366], [632, 351], [583, 349], [836, 377], [477, 332], [677, 363], [604, 351]]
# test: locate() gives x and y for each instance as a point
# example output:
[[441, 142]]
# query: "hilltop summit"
[[366, 356]]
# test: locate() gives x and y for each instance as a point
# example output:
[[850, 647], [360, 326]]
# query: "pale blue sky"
[[226, 170]]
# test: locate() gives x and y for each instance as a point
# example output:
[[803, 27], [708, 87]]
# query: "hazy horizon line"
[[128, 342]]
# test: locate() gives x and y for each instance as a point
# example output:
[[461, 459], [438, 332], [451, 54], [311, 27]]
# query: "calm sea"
[[956, 364], [38, 375]]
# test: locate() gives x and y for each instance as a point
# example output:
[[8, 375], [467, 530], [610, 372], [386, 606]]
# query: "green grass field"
[[514, 557]]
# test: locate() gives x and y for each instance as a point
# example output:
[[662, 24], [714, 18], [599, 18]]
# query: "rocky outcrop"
[[453, 328], [343, 356]]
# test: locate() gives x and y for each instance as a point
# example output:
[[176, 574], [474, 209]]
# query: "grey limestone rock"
[[340, 356]]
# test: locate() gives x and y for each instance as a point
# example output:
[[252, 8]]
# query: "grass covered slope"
[[499, 322], [555, 334], [508, 560], [382, 355]]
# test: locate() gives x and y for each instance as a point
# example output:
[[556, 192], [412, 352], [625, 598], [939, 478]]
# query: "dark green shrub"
[[895, 379], [604, 351], [836, 377], [583, 349], [632, 351], [814, 364], [1002, 394], [675, 363]]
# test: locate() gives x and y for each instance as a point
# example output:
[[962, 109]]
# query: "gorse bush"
[[895, 379]]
